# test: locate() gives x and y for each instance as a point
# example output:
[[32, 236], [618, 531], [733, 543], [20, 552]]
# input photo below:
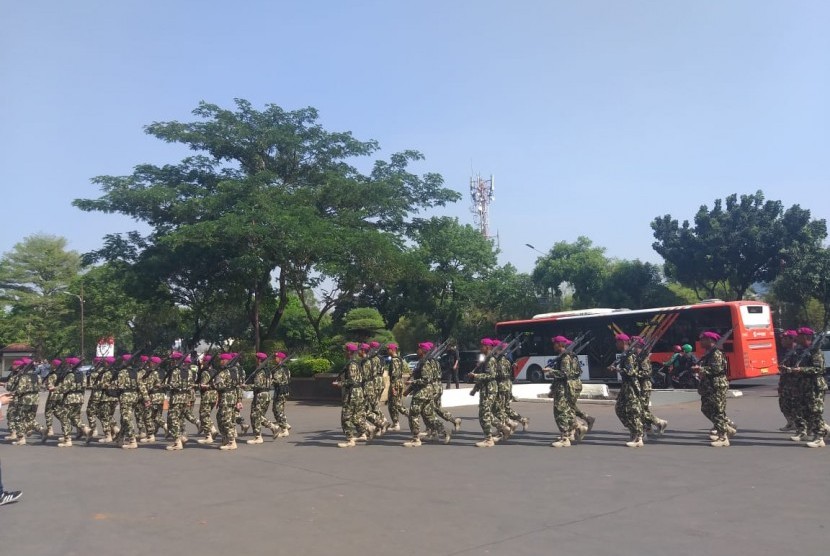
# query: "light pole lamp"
[[532, 247], [81, 300]]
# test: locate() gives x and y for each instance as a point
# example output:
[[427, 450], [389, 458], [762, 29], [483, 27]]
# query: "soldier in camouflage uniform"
[[238, 377], [11, 388], [179, 384], [208, 399], [628, 407], [713, 389], [377, 370], [353, 412], [574, 390], [262, 381], [504, 381], [423, 397], [127, 385], [282, 380], [369, 371], [52, 399], [69, 389], [189, 414], [485, 380], [225, 382], [109, 399], [26, 395], [437, 392], [810, 368], [152, 390], [141, 405], [561, 370], [394, 402], [649, 419], [789, 386], [93, 404]]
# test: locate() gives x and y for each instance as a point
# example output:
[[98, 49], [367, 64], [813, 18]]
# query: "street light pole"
[[81, 299], [529, 245]]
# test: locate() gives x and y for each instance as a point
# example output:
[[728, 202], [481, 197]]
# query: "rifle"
[[265, 362], [819, 338], [512, 345], [434, 353], [717, 345], [575, 347]]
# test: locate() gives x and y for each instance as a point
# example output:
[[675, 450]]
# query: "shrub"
[[309, 366]]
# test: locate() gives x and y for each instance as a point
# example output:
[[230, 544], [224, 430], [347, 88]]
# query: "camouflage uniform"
[[26, 395], [813, 387], [789, 392], [225, 383], [12, 412], [423, 398], [69, 389], [396, 388], [437, 392], [126, 382], [645, 393], [109, 397], [487, 393], [153, 388], [93, 404], [629, 406], [179, 384], [369, 372], [563, 413], [377, 369], [263, 381], [353, 413], [238, 378], [712, 389], [208, 399], [52, 399], [282, 380], [504, 382]]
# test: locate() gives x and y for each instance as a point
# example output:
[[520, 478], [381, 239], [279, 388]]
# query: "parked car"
[[411, 360]]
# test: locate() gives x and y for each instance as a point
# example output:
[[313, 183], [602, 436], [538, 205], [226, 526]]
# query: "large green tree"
[[636, 285], [734, 244], [271, 203], [805, 283], [35, 278], [579, 266]]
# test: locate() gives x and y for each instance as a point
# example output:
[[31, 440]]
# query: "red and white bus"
[[750, 351]]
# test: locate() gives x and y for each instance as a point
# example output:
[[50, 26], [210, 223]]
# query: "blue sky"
[[595, 117]]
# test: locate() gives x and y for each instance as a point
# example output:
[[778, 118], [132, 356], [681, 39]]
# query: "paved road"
[[302, 495]]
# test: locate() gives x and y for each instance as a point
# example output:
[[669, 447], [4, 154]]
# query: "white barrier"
[[522, 392]]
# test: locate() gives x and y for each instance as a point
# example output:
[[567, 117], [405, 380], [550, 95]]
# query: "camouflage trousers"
[[51, 409], [439, 410], [107, 414], [812, 404], [395, 402], [25, 418], [562, 411], [12, 416], [127, 402], [573, 391], [353, 413], [94, 410], [505, 403], [713, 402], [154, 415], [141, 411], [207, 402], [789, 401], [629, 410], [226, 416], [278, 407], [259, 407], [373, 414], [423, 405], [487, 396], [645, 404], [175, 418], [69, 416], [188, 410]]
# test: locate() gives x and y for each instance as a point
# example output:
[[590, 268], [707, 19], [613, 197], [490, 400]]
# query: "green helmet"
[[687, 348]]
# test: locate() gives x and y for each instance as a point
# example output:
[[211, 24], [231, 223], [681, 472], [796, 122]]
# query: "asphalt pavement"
[[764, 495]]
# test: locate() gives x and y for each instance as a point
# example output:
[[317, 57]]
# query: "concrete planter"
[[317, 388]]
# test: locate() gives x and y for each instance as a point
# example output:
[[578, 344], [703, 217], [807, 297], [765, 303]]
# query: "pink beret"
[[73, 360], [109, 359], [373, 344], [805, 331], [26, 360], [623, 337], [280, 354], [155, 359], [98, 359], [364, 347], [791, 333], [144, 358], [559, 340], [207, 358], [711, 335], [351, 347], [187, 359], [426, 346], [176, 355], [226, 356], [486, 342], [56, 362], [391, 346], [259, 355], [126, 357], [638, 340], [17, 362]]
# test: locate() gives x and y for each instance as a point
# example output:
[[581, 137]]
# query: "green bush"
[[309, 366]]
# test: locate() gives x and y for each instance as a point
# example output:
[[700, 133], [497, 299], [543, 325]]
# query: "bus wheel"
[[535, 374]]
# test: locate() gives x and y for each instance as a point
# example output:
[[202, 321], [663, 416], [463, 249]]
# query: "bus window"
[[755, 316]]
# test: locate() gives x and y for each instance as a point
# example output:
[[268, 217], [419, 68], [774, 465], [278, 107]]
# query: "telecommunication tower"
[[482, 192]]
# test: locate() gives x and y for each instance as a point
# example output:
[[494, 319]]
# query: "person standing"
[[11, 411], [423, 398], [109, 399], [282, 383], [504, 382], [180, 381], [262, 381], [450, 364], [713, 389], [93, 404], [153, 391], [628, 407], [560, 372], [226, 384], [810, 367], [49, 382], [485, 380], [127, 385], [26, 395], [353, 411], [650, 421], [394, 402], [69, 389], [789, 386], [208, 398]]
